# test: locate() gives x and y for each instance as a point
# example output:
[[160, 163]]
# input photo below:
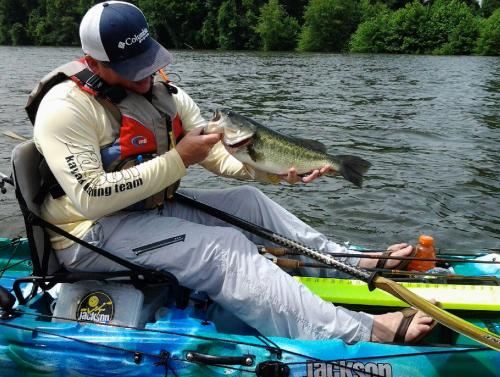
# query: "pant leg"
[[249, 203], [222, 262]]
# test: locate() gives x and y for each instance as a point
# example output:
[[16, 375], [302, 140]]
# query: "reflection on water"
[[428, 124]]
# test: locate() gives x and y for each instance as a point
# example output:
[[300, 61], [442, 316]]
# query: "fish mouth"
[[216, 117], [238, 144]]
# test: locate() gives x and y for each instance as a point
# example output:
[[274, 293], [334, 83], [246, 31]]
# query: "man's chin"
[[140, 87]]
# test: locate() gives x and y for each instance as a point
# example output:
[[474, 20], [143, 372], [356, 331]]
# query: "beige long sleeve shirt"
[[70, 129]]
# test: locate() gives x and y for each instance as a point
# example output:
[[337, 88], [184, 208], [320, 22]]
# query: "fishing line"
[[12, 266], [14, 243]]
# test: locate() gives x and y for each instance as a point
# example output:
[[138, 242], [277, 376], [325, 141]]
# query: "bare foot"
[[386, 325], [399, 250]]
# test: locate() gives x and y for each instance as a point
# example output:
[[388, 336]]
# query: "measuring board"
[[451, 296]]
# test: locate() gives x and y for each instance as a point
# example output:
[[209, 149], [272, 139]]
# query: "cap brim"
[[143, 65]]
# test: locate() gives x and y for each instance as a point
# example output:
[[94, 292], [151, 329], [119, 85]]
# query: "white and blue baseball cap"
[[117, 33]]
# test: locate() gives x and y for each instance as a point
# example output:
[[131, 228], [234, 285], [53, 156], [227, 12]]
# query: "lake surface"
[[429, 125]]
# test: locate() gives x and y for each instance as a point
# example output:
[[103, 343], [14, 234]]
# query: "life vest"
[[143, 125]]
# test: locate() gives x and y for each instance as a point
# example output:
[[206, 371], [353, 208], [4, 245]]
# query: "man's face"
[[113, 78]]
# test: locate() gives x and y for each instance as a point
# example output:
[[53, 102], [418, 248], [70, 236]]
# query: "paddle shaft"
[[447, 319]]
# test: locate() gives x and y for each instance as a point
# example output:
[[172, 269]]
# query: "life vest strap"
[[98, 86]]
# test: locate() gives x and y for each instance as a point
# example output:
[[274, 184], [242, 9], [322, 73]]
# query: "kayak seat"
[[47, 271]]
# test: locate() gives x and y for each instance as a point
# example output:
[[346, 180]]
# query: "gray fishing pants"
[[209, 255]]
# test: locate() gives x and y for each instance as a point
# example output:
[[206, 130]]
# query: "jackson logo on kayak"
[[348, 369], [97, 307]]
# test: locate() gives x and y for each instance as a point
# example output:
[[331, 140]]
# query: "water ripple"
[[428, 124]]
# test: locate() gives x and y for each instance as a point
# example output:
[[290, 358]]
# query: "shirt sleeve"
[[219, 161], [68, 132]]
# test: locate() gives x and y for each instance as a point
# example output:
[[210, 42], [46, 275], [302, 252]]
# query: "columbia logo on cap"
[[135, 39]]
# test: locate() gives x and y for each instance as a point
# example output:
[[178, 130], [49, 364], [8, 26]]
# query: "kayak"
[[97, 329]]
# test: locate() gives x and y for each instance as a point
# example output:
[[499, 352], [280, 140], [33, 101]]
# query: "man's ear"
[[92, 63]]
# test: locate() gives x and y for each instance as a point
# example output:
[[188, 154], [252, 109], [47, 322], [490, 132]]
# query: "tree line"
[[365, 26]]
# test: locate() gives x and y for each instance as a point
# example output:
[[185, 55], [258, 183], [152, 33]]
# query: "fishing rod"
[[439, 252], [447, 319], [280, 251], [3, 180], [296, 264], [14, 136]]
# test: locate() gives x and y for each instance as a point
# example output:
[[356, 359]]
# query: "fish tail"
[[352, 168]]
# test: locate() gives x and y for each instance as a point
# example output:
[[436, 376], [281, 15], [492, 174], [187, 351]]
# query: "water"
[[429, 125]]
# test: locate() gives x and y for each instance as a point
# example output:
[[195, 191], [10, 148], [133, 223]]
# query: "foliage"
[[445, 27], [179, 24], [489, 38], [377, 26], [18, 34], [329, 24], [372, 35], [454, 28], [277, 30], [488, 7], [236, 22], [371, 9]]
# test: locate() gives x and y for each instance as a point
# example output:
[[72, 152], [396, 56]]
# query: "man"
[[112, 139]]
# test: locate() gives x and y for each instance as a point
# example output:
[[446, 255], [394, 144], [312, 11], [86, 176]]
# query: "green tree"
[[295, 8], [236, 22], [445, 27], [407, 26], [489, 38], [15, 12], [18, 35], [372, 35], [452, 28], [371, 9], [488, 7], [208, 32], [178, 24], [56, 22], [329, 24], [277, 30], [229, 26]]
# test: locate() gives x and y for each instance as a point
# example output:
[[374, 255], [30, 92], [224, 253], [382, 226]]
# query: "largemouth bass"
[[273, 152]]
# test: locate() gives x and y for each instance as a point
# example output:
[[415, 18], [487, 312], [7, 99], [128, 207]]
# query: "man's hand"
[[292, 176], [194, 147]]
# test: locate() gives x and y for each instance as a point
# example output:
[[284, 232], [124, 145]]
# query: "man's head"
[[116, 33]]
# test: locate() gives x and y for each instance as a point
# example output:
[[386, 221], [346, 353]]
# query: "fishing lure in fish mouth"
[[267, 150]]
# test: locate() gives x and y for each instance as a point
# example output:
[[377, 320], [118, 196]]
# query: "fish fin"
[[254, 155], [352, 168], [315, 145]]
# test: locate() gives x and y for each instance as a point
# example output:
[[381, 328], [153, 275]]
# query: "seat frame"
[[47, 271]]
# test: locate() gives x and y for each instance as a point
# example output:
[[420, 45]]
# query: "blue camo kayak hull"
[[97, 350]]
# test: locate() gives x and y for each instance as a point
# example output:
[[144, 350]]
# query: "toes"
[[419, 327]]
